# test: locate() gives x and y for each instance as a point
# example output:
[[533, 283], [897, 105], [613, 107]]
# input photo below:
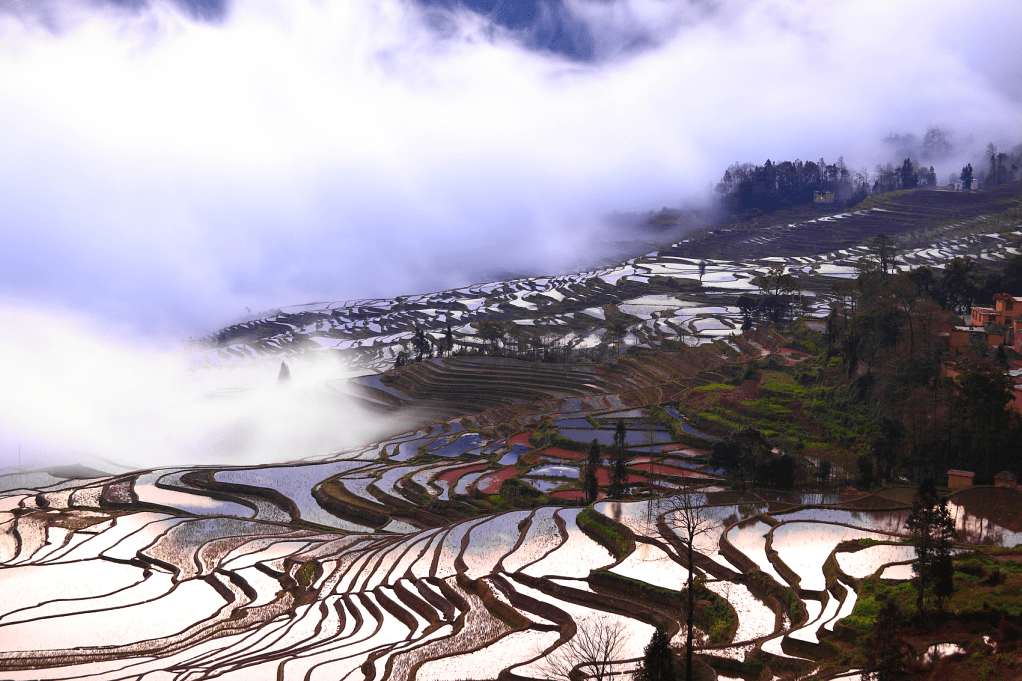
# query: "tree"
[[421, 344], [943, 573], [883, 253], [959, 285], [285, 374], [616, 331], [932, 528], [598, 642], [966, 176], [492, 332], [690, 520], [985, 393], [887, 651], [449, 340], [908, 174], [992, 154], [775, 282], [590, 482], [866, 471], [619, 474], [887, 444], [657, 662], [748, 455], [776, 305], [1003, 161], [824, 471], [936, 145]]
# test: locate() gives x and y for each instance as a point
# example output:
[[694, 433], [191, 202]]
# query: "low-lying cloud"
[[165, 168], [76, 393], [169, 172]]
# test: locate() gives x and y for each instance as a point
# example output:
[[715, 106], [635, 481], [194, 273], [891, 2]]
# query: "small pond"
[[555, 472], [459, 445], [511, 457], [545, 486]]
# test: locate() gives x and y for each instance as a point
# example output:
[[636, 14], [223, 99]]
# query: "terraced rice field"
[[660, 296], [418, 557], [103, 592]]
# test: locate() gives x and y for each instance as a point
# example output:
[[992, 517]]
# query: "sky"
[[171, 166], [168, 164]]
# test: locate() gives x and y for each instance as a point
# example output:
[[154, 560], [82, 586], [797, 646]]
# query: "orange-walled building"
[[992, 326]]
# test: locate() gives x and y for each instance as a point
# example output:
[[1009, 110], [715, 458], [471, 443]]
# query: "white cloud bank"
[[77, 394], [162, 174], [170, 172]]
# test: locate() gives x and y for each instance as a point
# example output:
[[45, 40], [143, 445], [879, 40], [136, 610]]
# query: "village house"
[[1006, 479], [989, 329], [959, 479], [962, 337], [990, 326]]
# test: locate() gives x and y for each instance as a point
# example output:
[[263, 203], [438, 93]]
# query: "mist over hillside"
[[169, 164], [172, 167]]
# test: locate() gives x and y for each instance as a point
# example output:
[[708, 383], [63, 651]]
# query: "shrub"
[[611, 534], [519, 494]]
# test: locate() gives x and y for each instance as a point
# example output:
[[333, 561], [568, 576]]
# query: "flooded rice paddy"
[[362, 565], [98, 593]]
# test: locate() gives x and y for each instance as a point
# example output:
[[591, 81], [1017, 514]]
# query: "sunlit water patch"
[[804, 547], [576, 557], [755, 619], [650, 564], [867, 561], [296, 483]]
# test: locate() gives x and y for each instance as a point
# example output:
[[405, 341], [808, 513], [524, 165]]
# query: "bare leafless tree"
[[687, 515], [597, 643]]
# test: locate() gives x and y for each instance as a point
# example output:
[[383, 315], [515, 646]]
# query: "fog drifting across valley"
[[168, 171], [79, 394]]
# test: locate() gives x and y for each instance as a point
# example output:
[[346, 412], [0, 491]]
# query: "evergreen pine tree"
[[285, 374], [421, 344], [887, 651], [933, 531], [657, 659], [966, 176]]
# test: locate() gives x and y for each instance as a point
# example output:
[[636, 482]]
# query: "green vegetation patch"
[[767, 406], [518, 494], [707, 417], [713, 614], [715, 387], [871, 596], [306, 574], [612, 535], [783, 390], [984, 586]]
